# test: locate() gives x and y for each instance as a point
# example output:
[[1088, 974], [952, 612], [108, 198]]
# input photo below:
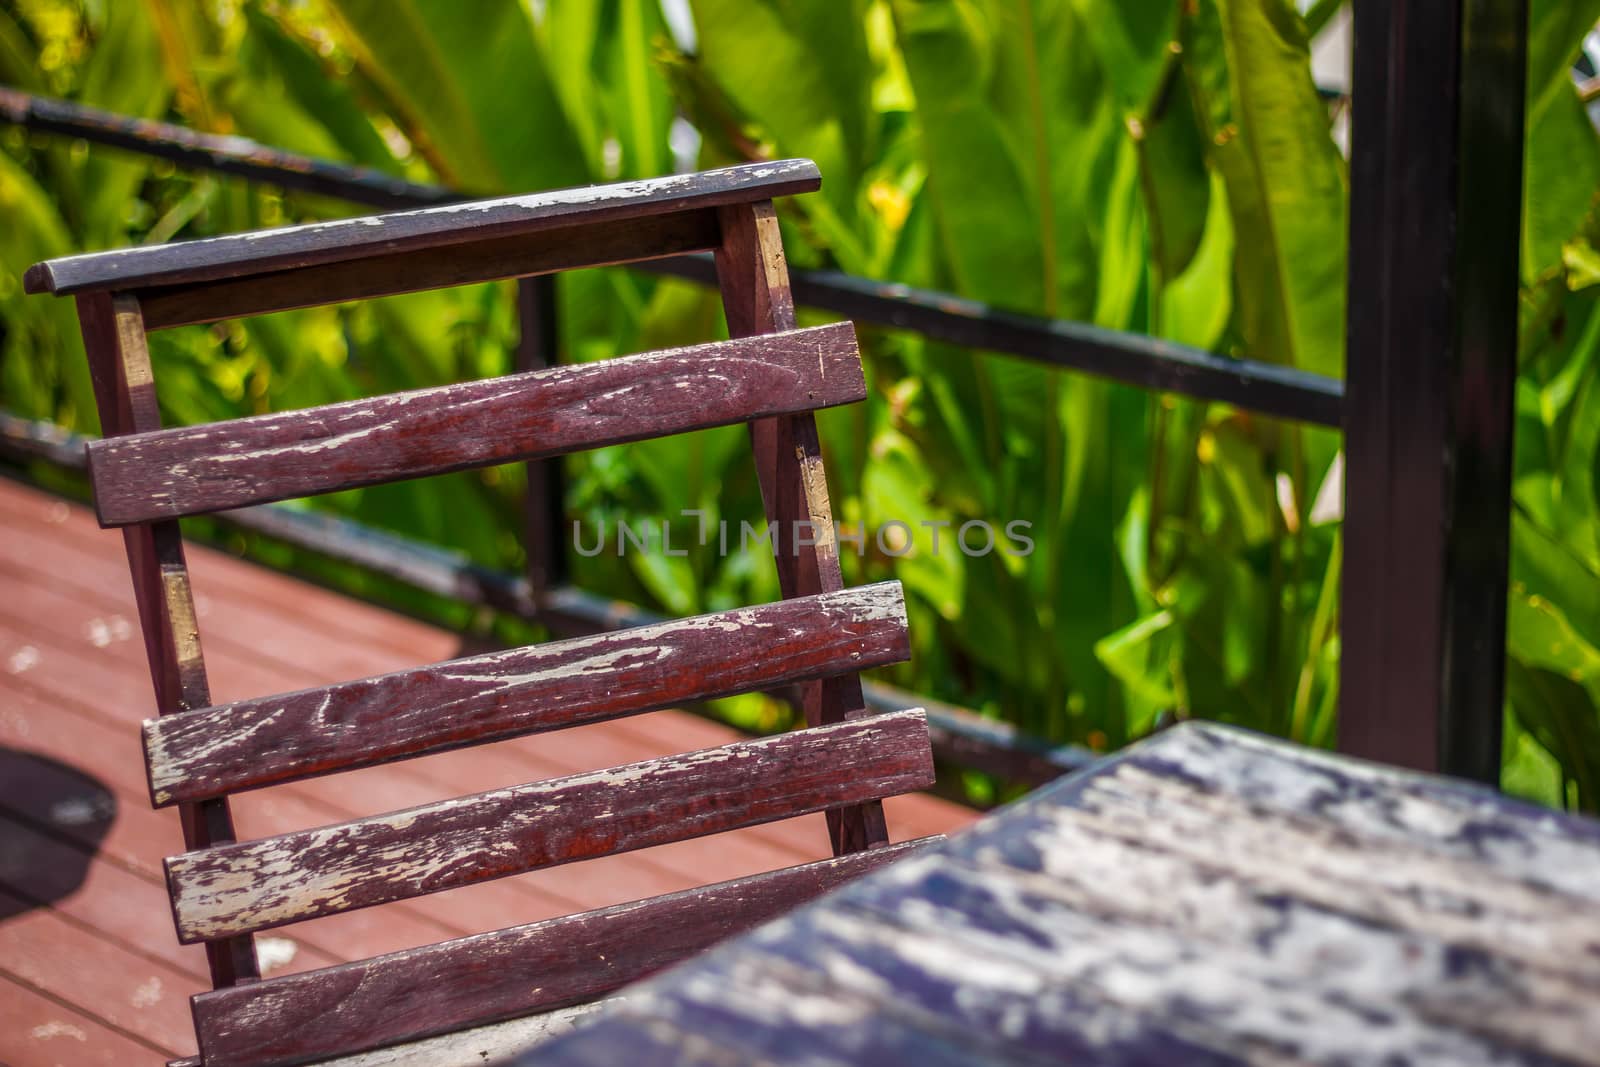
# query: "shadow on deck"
[[90, 969]]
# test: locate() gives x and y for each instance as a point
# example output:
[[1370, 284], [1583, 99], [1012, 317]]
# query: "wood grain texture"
[[594, 245], [252, 743], [518, 971], [124, 388], [198, 469], [264, 251], [261, 884], [1207, 897], [753, 274]]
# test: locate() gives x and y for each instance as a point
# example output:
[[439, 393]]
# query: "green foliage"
[[1157, 166]]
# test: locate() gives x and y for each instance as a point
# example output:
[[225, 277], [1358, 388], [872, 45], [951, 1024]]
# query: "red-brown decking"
[[91, 971]]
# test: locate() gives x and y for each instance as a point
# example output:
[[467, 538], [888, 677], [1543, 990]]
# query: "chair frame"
[[144, 481]]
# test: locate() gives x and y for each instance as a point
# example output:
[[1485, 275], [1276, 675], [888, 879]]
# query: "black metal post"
[[543, 507], [1436, 179]]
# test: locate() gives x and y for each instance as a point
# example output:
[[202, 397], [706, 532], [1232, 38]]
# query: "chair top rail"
[[213, 751], [267, 251], [256, 885], [586, 244], [192, 470]]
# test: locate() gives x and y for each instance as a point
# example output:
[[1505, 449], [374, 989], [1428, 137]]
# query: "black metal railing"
[[1133, 359]]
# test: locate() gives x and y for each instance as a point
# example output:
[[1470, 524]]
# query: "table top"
[[1207, 896]]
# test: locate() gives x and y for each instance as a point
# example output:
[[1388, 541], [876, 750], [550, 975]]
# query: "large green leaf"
[[1131, 38], [1197, 304], [281, 94], [42, 368], [122, 74], [19, 61], [472, 87], [1173, 175], [602, 59], [1562, 149], [807, 89], [1021, 141], [809, 82], [1552, 679], [1248, 64]]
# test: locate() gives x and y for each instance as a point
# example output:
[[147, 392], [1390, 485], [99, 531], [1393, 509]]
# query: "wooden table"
[[1209, 896]]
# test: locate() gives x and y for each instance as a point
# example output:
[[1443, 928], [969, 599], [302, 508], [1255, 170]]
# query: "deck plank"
[[69, 638], [137, 995], [39, 1031]]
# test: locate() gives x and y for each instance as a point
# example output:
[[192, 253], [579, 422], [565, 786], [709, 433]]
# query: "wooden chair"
[[819, 636]]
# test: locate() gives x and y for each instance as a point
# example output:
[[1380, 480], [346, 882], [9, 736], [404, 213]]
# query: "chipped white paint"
[[148, 994], [57, 1028], [23, 659], [102, 632], [1396, 806], [255, 885], [275, 953], [476, 689], [1207, 895]]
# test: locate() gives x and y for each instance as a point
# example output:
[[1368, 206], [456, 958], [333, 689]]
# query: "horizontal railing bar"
[[1133, 359], [961, 737], [238, 156]]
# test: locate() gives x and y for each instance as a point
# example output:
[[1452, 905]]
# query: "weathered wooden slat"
[[518, 971], [532, 415], [265, 251], [260, 884], [602, 244], [252, 743], [753, 274]]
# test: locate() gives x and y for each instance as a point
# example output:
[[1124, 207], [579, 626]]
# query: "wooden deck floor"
[[90, 969]]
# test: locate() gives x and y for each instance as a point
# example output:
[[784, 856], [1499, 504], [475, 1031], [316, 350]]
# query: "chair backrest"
[[770, 375]]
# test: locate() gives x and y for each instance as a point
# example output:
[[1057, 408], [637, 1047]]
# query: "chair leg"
[[754, 279], [124, 386]]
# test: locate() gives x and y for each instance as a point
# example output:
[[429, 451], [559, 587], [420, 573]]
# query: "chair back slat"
[[256, 885], [508, 973], [252, 743], [192, 470]]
